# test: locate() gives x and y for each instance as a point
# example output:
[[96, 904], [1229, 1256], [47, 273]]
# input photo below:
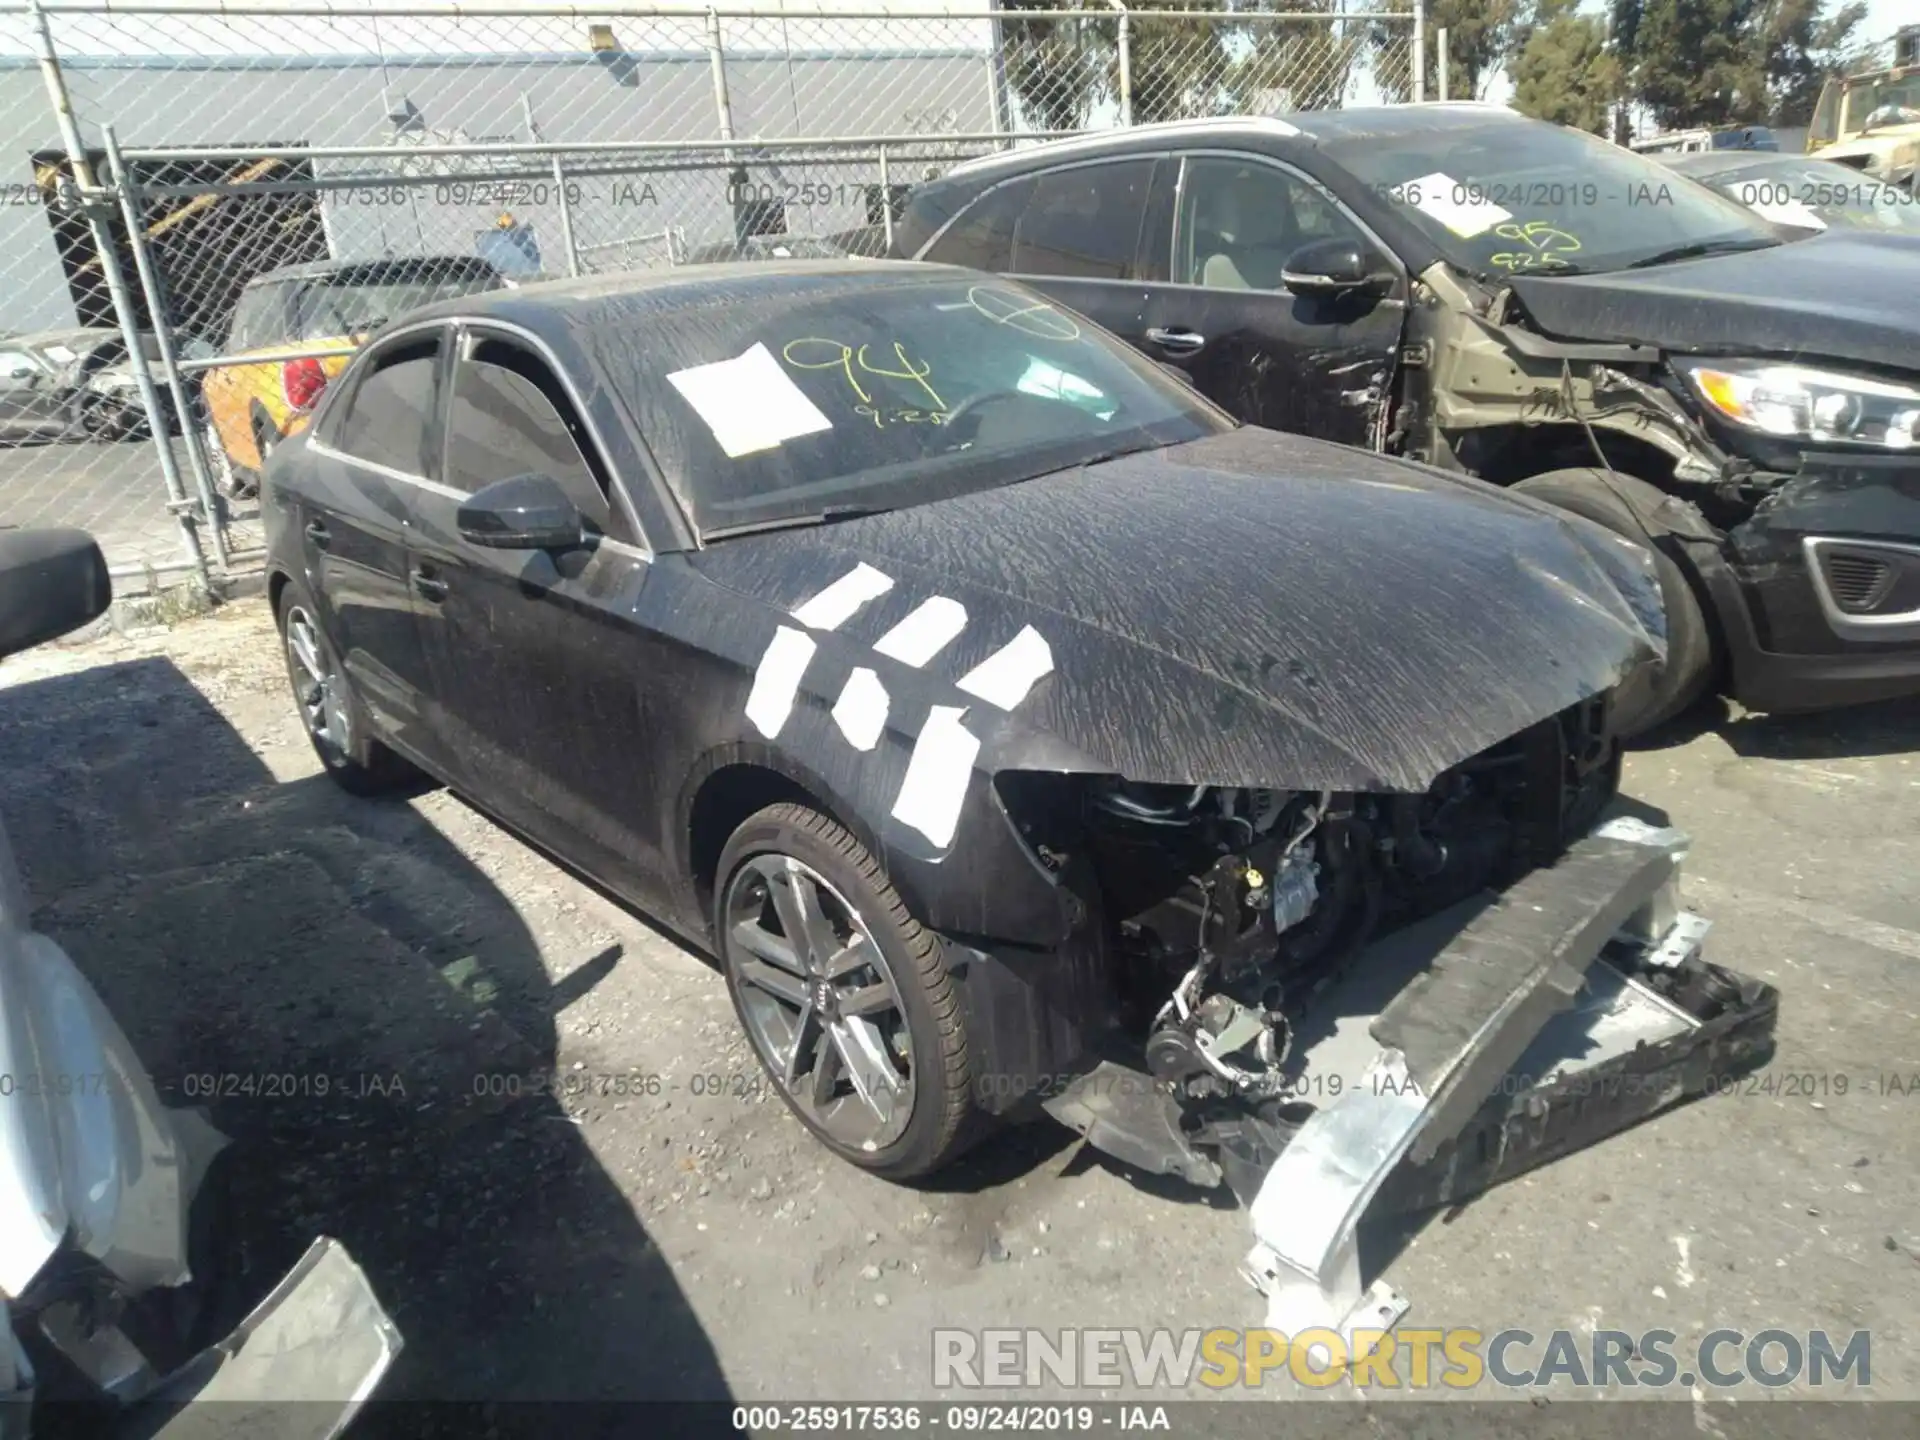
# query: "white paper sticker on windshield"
[[59, 354], [1453, 204], [749, 403], [1789, 212]]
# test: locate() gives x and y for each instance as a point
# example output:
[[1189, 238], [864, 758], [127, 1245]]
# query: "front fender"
[[87, 1151]]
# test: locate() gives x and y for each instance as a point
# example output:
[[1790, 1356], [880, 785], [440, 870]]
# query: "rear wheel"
[[1657, 693], [844, 995], [336, 726]]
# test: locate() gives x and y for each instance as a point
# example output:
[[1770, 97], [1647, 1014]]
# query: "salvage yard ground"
[[656, 1224]]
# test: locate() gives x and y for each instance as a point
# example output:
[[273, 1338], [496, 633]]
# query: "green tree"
[[1057, 70], [1563, 70], [1801, 46], [1481, 35], [1282, 65]]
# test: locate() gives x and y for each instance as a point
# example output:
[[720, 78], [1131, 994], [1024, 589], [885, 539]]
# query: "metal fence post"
[[91, 205], [566, 218], [886, 201], [1419, 51], [1126, 61], [157, 312], [717, 62], [1440, 44]]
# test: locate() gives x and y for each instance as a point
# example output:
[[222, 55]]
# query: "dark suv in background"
[[1524, 302]]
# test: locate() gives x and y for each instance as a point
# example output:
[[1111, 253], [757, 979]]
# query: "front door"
[[367, 469], [1073, 233], [1218, 308], [539, 668]]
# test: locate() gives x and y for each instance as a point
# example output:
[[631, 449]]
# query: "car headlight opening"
[[1802, 403]]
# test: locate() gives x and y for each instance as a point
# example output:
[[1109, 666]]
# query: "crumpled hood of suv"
[[1248, 609], [1838, 295]]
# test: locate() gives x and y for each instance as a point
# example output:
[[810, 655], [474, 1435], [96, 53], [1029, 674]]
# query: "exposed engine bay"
[[1296, 992], [1230, 909]]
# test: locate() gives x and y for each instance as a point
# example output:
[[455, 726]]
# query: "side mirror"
[[527, 512], [52, 582], [1335, 267], [19, 373]]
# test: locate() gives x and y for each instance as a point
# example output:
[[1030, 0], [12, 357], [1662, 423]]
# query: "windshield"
[[1900, 99], [1819, 195], [770, 405], [343, 307], [1525, 197]]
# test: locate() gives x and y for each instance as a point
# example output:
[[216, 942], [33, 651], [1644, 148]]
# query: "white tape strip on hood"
[[861, 711], [1005, 677], [924, 632], [777, 680], [842, 600], [937, 776]]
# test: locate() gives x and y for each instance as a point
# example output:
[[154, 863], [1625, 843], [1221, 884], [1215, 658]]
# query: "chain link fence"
[[248, 190]]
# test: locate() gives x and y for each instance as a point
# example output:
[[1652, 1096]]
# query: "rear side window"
[[260, 318], [1084, 222], [509, 417], [385, 418], [982, 237]]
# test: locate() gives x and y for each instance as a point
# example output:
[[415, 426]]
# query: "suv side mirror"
[[1335, 267], [527, 512], [52, 582]]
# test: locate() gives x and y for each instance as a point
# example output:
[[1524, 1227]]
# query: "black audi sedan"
[[1528, 304], [971, 687]]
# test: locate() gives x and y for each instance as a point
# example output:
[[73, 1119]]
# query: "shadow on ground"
[[1890, 727], [366, 1016]]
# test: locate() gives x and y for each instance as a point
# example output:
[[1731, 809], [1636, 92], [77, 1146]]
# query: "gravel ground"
[[657, 1225]]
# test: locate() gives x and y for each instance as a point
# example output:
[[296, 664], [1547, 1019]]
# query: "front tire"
[[336, 726], [1657, 693], [844, 996]]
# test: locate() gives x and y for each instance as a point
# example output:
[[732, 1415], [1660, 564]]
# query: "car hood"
[[1247, 609], [1841, 295]]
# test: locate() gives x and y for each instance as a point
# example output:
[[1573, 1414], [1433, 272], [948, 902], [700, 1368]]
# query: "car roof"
[[1310, 126], [574, 304], [75, 337], [367, 269]]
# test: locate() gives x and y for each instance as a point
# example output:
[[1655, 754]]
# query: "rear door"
[[1215, 304], [28, 401], [1073, 233], [539, 666], [366, 469]]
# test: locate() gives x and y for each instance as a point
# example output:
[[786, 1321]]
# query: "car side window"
[[510, 416], [1084, 221], [1239, 220], [982, 237], [17, 370], [385, 417]]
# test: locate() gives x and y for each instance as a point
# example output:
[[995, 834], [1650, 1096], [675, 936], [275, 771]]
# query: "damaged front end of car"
[[1322, 999]]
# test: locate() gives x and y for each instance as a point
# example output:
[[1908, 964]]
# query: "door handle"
[[319, 534], [1180, 342], [428, 588]]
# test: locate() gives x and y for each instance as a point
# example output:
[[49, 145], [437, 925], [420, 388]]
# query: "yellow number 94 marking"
[[815, 353]]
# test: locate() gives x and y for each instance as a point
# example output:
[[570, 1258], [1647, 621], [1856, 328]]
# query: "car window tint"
[[12, 364], [258, 319], [982, 238], [1239, 220], [386, 416], [1084, 222], [510, 417]]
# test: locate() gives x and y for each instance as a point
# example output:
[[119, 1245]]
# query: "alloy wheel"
[[317, 685], [819, 1001]]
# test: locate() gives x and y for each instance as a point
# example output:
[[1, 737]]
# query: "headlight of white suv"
[[1799, 403]]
